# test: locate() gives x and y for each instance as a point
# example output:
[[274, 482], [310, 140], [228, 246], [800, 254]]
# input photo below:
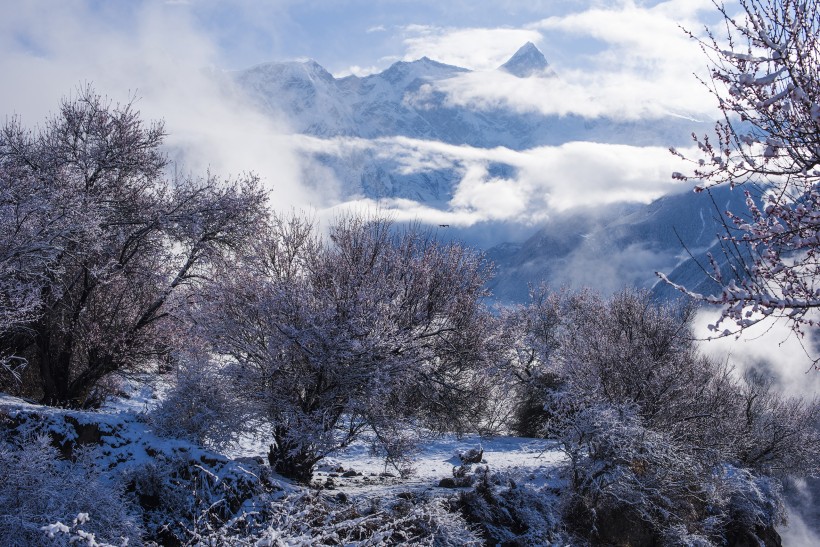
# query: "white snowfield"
[[531, 461]]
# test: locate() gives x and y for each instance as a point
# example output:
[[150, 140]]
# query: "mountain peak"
[[527, 61]]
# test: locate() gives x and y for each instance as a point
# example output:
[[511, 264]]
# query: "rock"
[[474, 455]]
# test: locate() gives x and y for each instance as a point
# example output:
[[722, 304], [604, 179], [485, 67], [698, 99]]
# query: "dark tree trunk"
[[55, 370], [290, 460]]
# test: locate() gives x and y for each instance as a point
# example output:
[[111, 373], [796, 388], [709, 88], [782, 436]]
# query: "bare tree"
[[27, 247], [111, 245], [376, 330], [765, 78]]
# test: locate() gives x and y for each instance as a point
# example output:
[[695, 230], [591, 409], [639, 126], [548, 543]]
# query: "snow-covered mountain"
[[404, 101], [527, 61], [399, 134]]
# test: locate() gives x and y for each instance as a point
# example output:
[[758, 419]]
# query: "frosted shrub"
[[61, 534], [201, 406], [638, 486], [645, 421], [629, 350], [37, 489], [310, 518], [529, 335], [626, 482], [102, 248], [509, 514], [743, 501], [428, 522]]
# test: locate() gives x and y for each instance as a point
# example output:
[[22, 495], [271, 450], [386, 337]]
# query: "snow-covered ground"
[[127, 441], [532, 460]]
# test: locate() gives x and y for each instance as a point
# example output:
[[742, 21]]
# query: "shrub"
[[37, 488], [374, 330], [201, 406]]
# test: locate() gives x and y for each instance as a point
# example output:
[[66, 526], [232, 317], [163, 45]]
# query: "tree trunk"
[[54, 369], [290, 460]]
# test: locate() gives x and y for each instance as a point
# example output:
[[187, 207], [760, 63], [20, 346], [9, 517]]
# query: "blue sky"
[[341, 33]]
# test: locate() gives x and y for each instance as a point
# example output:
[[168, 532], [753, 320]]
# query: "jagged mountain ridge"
[[406, 100], [403, 101]]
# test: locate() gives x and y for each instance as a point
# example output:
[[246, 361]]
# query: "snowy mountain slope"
[[409, 100], [404, 100], [689, 270], [608, 248], [527, 61]]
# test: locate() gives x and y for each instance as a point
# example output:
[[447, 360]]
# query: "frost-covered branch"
[[765, 78]]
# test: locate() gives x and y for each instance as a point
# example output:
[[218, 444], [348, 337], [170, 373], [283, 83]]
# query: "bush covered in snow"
[[201, 406], [647, 422], [183, 500], [314, 519], [38, 487], [99, 249], [507, 513], [375, 329], [639, 486]]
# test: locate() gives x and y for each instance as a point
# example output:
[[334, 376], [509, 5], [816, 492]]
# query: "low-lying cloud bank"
[[771, 348], [536, 183]]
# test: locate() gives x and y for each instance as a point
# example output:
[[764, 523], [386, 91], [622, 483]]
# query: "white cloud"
[[630, 62], [473, 48], [491, 198], [645, 33], [356, 70], [156, 53], [615, 95], [797, 531], [769, 347], [405, 210], [545, 179]]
